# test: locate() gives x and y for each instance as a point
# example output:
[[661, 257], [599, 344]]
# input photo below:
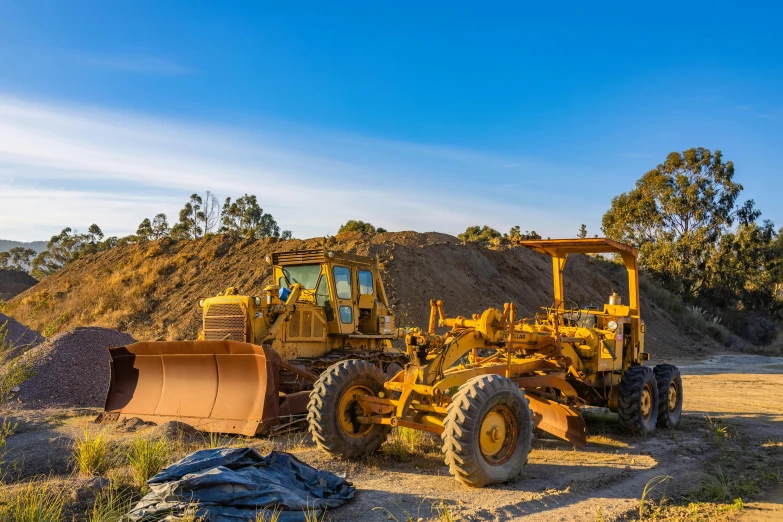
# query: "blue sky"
[[411, 117]]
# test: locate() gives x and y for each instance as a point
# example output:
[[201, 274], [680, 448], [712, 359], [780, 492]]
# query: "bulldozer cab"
[[346, 287], [623, 320]]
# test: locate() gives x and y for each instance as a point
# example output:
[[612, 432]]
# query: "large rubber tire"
[[638, 400], [481, 400], [335, 431], [669, 395]]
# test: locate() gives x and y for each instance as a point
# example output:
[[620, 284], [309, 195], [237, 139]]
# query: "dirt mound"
[[18, 335], [151, 290], [14, 282], [70, 369]]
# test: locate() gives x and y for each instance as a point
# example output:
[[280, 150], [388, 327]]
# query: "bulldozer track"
[[290, 383]]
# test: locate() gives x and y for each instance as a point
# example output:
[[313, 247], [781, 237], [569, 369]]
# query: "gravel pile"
[[18, 334], [71, 369], [14, 282]]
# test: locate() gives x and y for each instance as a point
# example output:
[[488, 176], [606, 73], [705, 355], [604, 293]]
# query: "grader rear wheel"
[[638, 400], [488, 431], [669, 395], [333, 409]]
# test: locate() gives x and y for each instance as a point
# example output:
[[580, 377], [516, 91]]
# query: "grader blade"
[[558, 419], [217, 386]]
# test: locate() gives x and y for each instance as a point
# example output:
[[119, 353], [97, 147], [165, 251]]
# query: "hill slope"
[[150, 291]]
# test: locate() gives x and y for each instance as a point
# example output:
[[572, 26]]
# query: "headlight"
[[330, 254], [268, 259], [612, 325], [257, 301], [201, 303]]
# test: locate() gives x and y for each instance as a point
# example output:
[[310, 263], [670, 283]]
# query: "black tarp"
[[234, 484]]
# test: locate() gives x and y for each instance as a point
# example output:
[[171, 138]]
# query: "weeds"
[[265, 515], [651, 484], [402, 442], [6, 430], [717, 429], [111, 506], [92, 454], [147, 457], [443, 512], [51, 328], [190, 514], [5, 344], [15, 374], [34, 502], [716, 486], [311, 513], [216, 440]]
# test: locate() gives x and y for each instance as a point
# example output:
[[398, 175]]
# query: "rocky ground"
[[729, 446]]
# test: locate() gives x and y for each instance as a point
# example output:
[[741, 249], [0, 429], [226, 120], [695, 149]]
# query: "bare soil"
[[603, 481], [150, 290]]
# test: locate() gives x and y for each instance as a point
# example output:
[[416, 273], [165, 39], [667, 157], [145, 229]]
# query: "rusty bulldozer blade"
[[218, 386], [558, 419]]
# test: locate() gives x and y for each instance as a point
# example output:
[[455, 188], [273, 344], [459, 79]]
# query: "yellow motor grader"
[[489, 380], [257, 356]]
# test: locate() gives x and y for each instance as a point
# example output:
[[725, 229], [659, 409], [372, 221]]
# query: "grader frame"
[[484, 384]]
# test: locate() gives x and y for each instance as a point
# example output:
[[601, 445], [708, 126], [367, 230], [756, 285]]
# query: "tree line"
[[201, 216], [695, 237]]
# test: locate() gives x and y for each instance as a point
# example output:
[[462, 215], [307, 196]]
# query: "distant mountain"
[[6, 245]]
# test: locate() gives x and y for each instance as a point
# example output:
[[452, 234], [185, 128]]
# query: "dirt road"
[[731, 430], [604, 480]]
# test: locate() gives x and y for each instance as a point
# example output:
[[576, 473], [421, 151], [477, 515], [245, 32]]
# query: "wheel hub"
[[647, 405], [672, 397], [498, 435], [349, 409]]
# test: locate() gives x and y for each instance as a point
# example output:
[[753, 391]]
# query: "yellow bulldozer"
[[257, 356], [484, 384]]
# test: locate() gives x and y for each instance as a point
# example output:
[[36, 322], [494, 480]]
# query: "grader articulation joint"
[[485, 383]]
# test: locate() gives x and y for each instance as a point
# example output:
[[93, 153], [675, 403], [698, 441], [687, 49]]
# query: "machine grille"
[[301, 257], [225, 322]]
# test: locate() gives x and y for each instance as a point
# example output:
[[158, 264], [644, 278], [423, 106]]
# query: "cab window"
[[365, 282], [346, 314], [342, 282], [305, 275]]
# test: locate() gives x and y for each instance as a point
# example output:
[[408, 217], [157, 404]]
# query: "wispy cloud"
[[64, 165], [135, 64]]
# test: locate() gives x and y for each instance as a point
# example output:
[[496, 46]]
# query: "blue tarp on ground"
[[234, 484]]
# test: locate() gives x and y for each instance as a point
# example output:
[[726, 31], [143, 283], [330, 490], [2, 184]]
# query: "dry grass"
[[93, 454], [111, 506], [33, 502], [402, 443], [146, 457]]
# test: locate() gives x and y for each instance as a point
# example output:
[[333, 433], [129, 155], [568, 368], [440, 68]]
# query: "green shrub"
[[16, 373]]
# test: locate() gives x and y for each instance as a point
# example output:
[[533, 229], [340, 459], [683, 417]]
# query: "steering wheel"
[[573, 309]]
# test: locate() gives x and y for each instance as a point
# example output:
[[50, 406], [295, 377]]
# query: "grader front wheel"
[[333, 410], [638, 400], [488, 431]]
